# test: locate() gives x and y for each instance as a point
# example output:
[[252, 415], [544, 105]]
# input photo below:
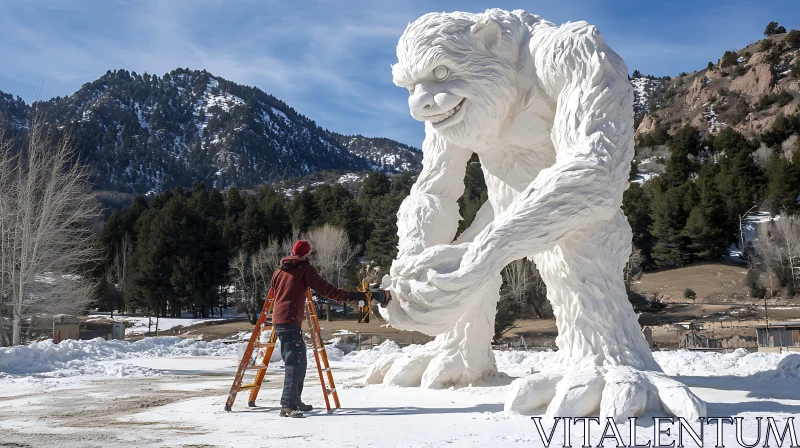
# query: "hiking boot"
[[293, 413], [304, 407]]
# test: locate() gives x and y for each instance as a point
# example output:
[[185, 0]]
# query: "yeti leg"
[[604, 362], [596, 323]]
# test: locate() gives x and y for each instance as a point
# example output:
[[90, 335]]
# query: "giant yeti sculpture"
[[549, 111]]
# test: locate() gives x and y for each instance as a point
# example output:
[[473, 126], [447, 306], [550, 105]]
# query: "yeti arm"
[[593, 137], [429, 215]]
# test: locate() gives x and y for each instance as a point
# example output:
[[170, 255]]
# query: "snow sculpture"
[[549, 111]]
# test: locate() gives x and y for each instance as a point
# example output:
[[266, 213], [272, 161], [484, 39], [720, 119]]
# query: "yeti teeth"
[[441, 117]]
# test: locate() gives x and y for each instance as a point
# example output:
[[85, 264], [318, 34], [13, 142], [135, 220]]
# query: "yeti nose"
[[420, 101]]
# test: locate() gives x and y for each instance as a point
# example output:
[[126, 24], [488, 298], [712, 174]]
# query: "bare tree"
[[787, 230], [633, 268], [8, 164], [47, 206], [525, 287], [333, 251], [241, 269], [517, 276], [118, 269], [778, 250]]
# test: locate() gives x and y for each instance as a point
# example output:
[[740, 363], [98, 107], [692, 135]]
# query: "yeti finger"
[[677, 399], [378, 370], [407, 370], [531, 392], [578, 394], [625, 394]]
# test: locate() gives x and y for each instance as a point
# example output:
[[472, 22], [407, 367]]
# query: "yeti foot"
[[431, 369], [617, 392]]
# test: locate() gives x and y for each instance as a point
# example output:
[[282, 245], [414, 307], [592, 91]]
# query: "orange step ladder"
[[318, 347]]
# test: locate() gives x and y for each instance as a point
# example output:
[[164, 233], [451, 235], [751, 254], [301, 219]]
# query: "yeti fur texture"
[[549, 111]]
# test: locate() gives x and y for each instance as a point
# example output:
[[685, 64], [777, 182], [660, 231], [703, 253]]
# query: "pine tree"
[[234, 207], [253, 226], [685, 143], [793, 39], [782, 184], [381, 246], [303, 211], [636, 203], [475, 193], [376, 184], [707, 229], [740, 179], [669, 218], [773, 28]]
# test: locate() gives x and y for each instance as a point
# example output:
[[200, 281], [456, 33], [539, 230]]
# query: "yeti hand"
[[472, 271]]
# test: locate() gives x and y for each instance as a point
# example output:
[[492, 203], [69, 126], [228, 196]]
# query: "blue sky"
[[330, 59]]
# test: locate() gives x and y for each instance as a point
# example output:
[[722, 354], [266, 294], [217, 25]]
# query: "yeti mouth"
[[447, 117]]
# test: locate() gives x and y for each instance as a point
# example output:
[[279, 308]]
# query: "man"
[[362, 309], [289, 284]]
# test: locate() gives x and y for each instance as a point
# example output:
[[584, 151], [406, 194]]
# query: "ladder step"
[[248, 386], [263, 344], [326, 369], [320, 349], [330, 391], [256, 367]]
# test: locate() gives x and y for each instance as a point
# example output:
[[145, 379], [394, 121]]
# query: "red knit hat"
[[301, 248]]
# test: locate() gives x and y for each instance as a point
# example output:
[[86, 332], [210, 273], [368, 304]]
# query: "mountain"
[[140, 133], [384, 154], [747, 89]]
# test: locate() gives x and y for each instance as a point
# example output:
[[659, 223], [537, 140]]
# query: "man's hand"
[[382, 296]]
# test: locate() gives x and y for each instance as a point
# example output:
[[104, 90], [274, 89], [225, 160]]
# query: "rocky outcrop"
[[755, 126], [647, 126], [757, 81], [698, 95]]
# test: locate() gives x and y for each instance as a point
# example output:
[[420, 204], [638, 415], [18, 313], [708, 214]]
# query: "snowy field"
[[170, 392], [137, 325]]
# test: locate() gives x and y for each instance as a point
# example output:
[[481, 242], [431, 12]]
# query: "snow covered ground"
[[141, 325], [170, 392]]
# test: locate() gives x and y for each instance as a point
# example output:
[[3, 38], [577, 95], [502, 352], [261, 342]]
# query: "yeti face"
[[458, 85]]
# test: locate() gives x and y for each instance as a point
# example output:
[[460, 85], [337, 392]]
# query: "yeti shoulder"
[[562, 53]]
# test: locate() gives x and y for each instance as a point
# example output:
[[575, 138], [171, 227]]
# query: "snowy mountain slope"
[[383, 153], [140, 133]]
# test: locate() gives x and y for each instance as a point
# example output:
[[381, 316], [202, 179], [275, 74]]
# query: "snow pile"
[[523, 361], [71, 357], [367, 357], [762, 366]]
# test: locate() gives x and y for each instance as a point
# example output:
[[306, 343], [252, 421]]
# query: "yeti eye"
[[440, 72]]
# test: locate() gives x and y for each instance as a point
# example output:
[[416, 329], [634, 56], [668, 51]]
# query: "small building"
[[778, 335], [692, 336]]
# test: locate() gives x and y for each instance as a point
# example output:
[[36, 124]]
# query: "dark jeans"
[[293, 352]]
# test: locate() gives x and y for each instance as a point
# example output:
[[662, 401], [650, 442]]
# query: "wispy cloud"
[[327, 58]]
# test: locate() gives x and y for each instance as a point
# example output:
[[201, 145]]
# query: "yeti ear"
[[488, 31]]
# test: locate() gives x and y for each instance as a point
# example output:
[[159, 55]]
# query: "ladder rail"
[[324, 356], [262, 372], [248, 353], [315, 347]]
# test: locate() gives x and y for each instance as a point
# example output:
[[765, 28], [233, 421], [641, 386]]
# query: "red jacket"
[[289, 285]]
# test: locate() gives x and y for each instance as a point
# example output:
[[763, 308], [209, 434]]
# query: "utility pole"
[[766, 316]]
